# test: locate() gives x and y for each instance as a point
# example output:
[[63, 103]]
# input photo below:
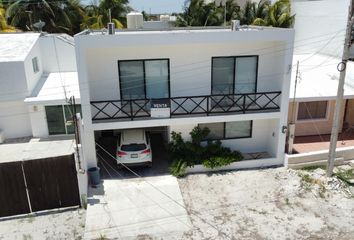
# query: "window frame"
[[326, 118], [234, 72], [64, 118], [230, 138], [144, 72], [35, 66]]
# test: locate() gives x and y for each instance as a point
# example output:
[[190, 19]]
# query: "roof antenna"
[[39, 25]]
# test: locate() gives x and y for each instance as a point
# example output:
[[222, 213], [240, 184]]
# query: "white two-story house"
[[233, 81]]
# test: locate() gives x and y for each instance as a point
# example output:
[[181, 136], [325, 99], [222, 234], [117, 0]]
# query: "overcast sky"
[[157, 6]]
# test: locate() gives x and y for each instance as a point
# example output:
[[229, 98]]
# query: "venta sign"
[[160, 108]]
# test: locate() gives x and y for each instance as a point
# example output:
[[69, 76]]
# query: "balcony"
[[207, 105]]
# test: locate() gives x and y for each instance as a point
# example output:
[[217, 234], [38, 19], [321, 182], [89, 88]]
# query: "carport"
[[107, 139]]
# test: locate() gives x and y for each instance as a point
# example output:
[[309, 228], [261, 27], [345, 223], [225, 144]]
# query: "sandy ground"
[[268, 204], [68, 224]]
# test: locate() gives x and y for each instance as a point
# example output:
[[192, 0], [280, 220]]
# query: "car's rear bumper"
[[135, 164]]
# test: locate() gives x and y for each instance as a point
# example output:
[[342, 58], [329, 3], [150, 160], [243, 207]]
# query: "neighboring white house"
[[236, 82], [37, 71], [319, 38]]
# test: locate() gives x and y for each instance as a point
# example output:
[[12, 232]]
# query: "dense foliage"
[[188, 153], [71, 16], [66, 16], [199, 13]]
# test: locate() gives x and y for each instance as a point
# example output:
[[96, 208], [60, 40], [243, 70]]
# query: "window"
[[242, 129], [35, 65], [228, 130], [144, 79], [232, 75], [59, 119], [216, 130], [312, 110]]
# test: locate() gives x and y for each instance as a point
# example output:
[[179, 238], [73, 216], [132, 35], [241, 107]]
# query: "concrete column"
[[291, 137], [284, 106], [88, 138]]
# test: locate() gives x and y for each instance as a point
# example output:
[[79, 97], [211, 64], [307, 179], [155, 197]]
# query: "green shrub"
[[199, 134], [216, 161], [187, 154], [178, 168]]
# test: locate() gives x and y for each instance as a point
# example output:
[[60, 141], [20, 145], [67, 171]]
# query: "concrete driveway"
[[136, 208]]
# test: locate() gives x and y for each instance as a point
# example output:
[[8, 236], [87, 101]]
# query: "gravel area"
[[268, 204], [69, 224]]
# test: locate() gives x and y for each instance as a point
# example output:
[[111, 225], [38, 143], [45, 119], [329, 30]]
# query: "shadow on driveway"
[[109, 167]]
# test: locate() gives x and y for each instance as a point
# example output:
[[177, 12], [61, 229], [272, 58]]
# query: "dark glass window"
[[144, 79], [228, 130], [312, 110]]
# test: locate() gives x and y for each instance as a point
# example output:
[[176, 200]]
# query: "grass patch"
[[30, 219], [346, 175], [313, 168], [306, 182], [27, 237]]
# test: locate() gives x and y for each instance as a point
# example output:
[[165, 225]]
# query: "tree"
[[97, 15], [4, 27], [198, 13], [57, 14], [253, 10], [278, 14], [263, 13]]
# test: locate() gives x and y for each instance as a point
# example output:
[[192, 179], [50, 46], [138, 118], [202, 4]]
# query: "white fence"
[[247, 164], [318, 158]]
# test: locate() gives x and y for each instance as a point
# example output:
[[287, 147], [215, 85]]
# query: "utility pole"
[[291, 127], [340, 92]]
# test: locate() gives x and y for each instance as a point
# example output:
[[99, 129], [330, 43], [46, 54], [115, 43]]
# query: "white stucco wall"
[[38, 121], [184, 129], [262, 139], [190, 66], [14, 119], [317, 22], [58, 53], [13, 84], [32, 77]]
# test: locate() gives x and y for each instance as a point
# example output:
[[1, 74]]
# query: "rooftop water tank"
[[135, 20], [164, 18]]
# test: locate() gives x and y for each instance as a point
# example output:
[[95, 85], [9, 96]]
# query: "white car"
[[133, 148]]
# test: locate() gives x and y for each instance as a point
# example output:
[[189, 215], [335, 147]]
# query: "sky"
[[157, 6]]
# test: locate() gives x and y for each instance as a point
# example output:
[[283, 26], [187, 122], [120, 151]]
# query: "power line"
[[155, 202], [156, 188], [208, 61]]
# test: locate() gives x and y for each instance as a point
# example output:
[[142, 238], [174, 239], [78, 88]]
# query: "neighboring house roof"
[[16, 46], [35, 149], [55, 88], [318, 78]]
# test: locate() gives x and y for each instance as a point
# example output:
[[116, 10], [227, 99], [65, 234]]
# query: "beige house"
[[312, 95]]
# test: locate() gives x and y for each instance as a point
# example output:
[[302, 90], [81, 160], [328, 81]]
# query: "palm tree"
[[278, 15], [56, 14], [253, 10], [198, 13], [4, 27], [233, 10], [76, 13], [97, 15]]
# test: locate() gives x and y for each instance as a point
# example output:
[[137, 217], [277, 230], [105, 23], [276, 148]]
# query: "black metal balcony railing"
[[191, 105]]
